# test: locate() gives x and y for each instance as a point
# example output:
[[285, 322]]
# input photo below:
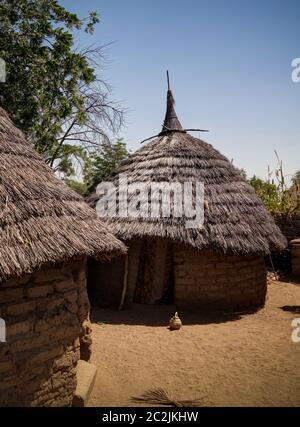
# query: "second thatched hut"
[[216, 264]]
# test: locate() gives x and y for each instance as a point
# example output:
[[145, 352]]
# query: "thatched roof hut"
[[42, 220], [236, 225], [46, 233], [235, 219]]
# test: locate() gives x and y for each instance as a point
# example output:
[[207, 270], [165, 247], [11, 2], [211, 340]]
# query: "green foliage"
[[52, 92], [66, 156], [276, 198], [43, 72], [102, 163], [267, 192], [79, 187], [275, 194], [296, 178]]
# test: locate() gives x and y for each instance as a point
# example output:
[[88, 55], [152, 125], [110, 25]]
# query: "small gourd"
[[175, 322]]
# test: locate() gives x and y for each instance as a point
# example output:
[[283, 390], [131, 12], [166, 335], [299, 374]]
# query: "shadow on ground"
[[159, 315], [291, 308], [291, 280]]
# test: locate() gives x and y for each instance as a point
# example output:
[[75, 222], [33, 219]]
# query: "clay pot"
[[175, 322]]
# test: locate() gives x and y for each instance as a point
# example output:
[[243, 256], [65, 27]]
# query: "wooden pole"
[[168, 80], [125, 280], [272, 264]]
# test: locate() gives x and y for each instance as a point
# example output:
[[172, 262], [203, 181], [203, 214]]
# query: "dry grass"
[[160, 396], [42, 220], [235, 219]]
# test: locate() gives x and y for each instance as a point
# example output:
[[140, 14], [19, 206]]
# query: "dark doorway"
[[155, 278], [105, 282]]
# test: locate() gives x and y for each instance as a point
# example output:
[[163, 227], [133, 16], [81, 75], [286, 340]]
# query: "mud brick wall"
[[44, 313], [295, 250], [204, 279]]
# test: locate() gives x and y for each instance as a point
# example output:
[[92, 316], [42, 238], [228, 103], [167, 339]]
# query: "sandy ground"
[[226, 360]]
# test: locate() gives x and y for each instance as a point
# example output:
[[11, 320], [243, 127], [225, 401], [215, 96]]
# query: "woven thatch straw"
[[41, 219], [171, 120], [235, 219]]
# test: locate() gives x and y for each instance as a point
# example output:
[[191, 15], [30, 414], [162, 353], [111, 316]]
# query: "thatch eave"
[[236, 221], [42, 221]]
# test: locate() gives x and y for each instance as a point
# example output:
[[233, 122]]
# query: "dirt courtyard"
[[226, 360]]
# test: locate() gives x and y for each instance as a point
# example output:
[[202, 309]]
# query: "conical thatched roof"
[[235, 219], [41, 219], [171, 120]]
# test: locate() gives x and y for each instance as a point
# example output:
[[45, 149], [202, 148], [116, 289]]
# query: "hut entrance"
[[105, 282], [147, 278], [155, 281]]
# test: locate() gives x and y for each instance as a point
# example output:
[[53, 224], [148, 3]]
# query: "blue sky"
[[230, 67]]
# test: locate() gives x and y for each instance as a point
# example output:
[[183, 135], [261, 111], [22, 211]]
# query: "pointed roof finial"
[[171, 122], [168, 79]]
